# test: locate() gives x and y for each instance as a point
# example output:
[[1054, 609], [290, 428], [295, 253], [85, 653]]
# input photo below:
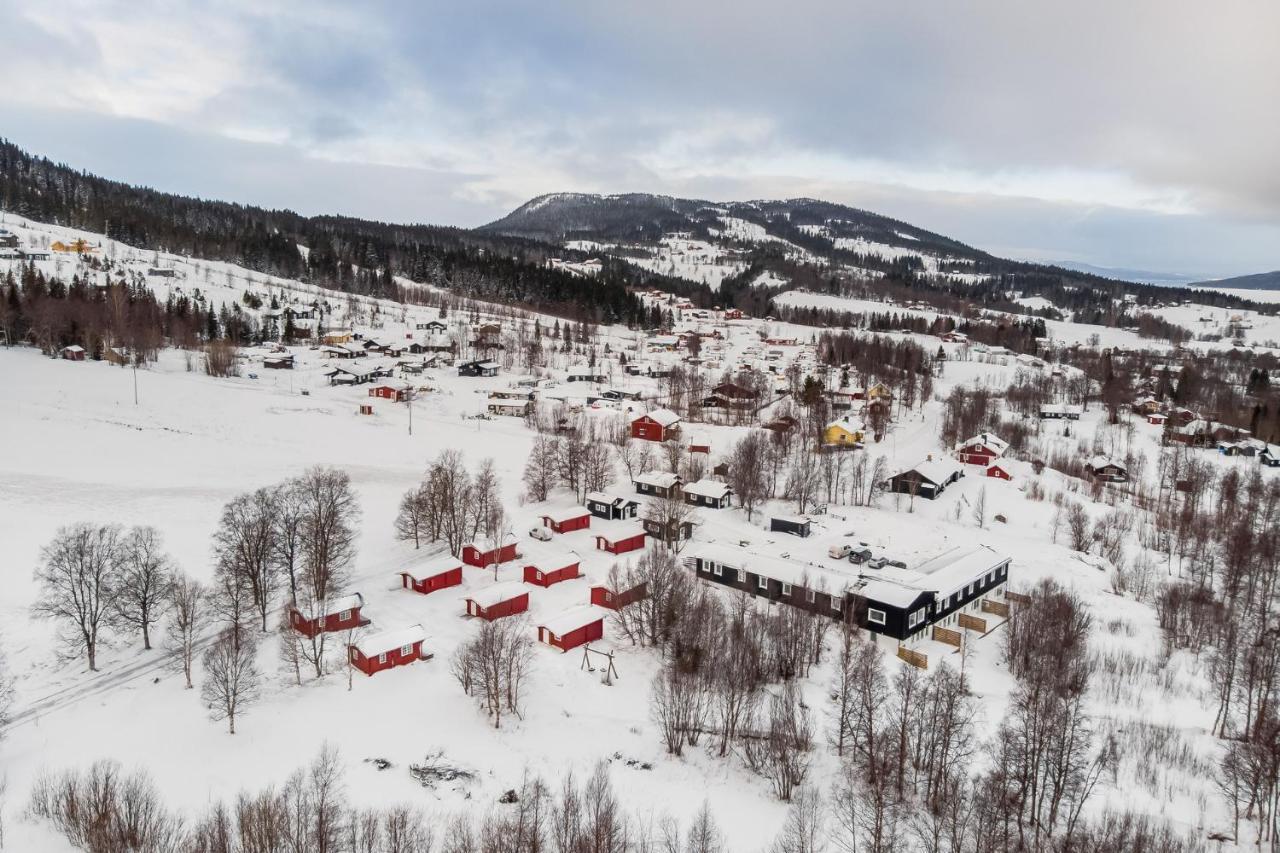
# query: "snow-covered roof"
[[498, 593], [565, 514], [938, 470], [554, 561], [848, 424], [657, 479], [780, 569], [613, 531], [944, 574], [433, 567], [488, 365], [988, 440], [73, 348], [663, 417], [572, 620], [1101, 461], [707, 489], [605, 498], [388, 641], [333, 606]]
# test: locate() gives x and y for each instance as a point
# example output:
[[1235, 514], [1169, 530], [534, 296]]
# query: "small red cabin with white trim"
[[431, 575], [482, 553], [603, 596], [658, 425], [1157, 418], [388, 649], [567, 520], [552, 570], [572, 628], [732, 314], [499, 600], [620, 538], [339, 614], [390, 392], [999, 470], [75, 352]]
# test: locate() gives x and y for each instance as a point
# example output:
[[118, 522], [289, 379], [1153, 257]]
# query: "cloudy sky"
[[1141, 134]]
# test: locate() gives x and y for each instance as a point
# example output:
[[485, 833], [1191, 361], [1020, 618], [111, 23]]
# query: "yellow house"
[[879, 391], [842, 433]]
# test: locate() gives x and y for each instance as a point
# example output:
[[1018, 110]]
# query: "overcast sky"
[[1142, 134]]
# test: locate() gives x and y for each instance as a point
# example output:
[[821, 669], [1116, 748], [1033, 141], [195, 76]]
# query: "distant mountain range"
[[1126, 274], [1257, 281]]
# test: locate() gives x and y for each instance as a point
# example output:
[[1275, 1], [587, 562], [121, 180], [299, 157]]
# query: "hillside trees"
[[79, 576], [146, 575]]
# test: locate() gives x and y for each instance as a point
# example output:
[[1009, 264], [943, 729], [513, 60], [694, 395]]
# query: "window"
[[875, 617], [382, 658], [716, 570], [344, 615], [537, 575], [836, 604], [742, 575], [812, 596], [916, 618], [786, 589], [762, 582], [405, 651]]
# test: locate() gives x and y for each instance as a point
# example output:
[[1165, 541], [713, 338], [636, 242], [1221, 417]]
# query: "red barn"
[[999, 470], [981, 449], [499, 600], [388, 649], [340, 614], [482, 553], [75, 352], [552, 570], [658, 425], [603, 596], [438, 573], [566, 520], [620, 538], [572, 628]]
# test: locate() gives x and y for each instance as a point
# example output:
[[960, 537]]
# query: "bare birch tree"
[[79, 577]]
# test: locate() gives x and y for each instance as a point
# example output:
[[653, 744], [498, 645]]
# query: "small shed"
[[339, 614], [708, 493], [620, 537], [572, 628], [607, 597], [552, 570], [611, 507], [796, 525], [567, 520], [397, 393], [438, 573], [483, 552], [999, 470], [388, 649], [75, 352], [499, 600], [658, 425]]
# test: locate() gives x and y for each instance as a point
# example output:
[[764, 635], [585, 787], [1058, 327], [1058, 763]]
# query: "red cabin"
[[981, 449], [388, 649], [1157, 418], [572, 628], [75, 352], [552, 570], [620, 538], [603, 596], [999, 470], [658, 425], [499, 600], [482, 553], [566, 520], [438, 573], [390, 392], [732, 314], [340, 614]]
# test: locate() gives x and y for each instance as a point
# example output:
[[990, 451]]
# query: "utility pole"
[[135, 381], [411, 414]]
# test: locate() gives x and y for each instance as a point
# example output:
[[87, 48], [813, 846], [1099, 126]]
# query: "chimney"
[[929, 458]]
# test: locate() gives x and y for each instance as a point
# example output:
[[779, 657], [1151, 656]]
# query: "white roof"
[[388, 641], [565, 514], [938, 470], [572, 620], [777, 568], [1063, 408], [1101, 461], [488, 365], [498, 593], [613, 531], [605, 498], [848, 424], [335, 605], [554, 561], [74, 348], [432, 567], [707, 489], [944, 574], [986, 439], [663, 417], [657, 479]]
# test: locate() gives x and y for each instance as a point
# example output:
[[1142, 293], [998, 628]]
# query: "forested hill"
[[346, 254]]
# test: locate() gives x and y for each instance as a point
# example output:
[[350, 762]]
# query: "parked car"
[[541, 533], [858, 556], [898, 564], [875, 563], [839, 552]]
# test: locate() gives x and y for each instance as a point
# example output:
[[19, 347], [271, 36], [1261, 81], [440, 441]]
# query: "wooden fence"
[[946, 635], [997, 608], [1017, 597], [973, 623], [916, 659]]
